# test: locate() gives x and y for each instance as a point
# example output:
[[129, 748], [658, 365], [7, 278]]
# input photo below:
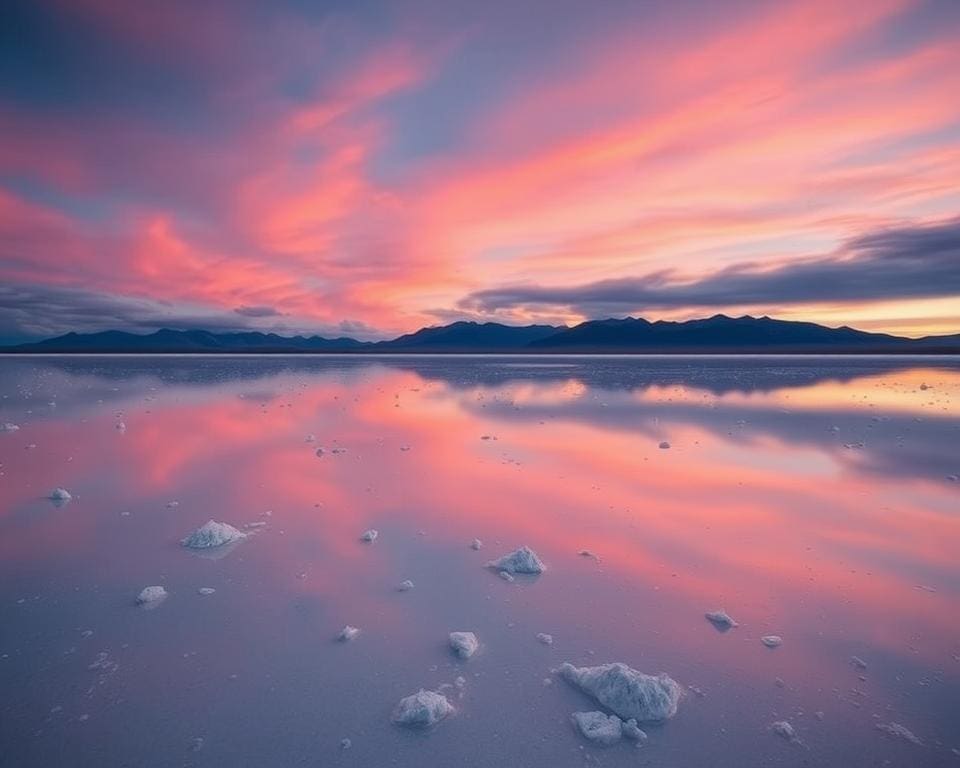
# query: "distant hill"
[[717, 334]]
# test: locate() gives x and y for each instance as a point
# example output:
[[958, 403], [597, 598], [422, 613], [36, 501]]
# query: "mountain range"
[[718, 334]]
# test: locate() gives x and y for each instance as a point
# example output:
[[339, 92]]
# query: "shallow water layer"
[[810, 498]]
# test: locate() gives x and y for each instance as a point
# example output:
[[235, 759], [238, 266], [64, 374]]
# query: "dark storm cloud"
[[918, 261]]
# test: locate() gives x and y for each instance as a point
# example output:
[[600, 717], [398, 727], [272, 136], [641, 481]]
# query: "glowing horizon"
[[368, 170]]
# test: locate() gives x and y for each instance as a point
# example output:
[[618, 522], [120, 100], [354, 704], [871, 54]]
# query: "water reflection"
[[810, 498]]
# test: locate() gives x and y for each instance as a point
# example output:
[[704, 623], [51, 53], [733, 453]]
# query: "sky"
[[366, 168]]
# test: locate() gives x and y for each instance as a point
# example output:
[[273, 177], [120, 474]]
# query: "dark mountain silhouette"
[[717, 334], [472, 337]]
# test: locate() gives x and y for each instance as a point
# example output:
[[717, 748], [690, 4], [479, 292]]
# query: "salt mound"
[[370, 536], [60, 494], [213, 534], [598, 727], [8, 427], [422, 709], [151, 595], [721, 620], [629, 693], [347, 634], [523, 560], [464, 644], [772, 641]]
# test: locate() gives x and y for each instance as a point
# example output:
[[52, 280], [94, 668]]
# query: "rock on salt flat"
[[545, 638], [347, 634], [664, 445], [772, 641], [721, 620], [151, 595], [523, 560], [422, 709], [476, 544], [629, 693], [60, 494], [206, 590], [405, 586], [370, 536], [464, 644], [213, 534]]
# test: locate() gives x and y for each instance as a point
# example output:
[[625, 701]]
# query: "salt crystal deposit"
[[369, 536], [721, 620], [598, 727], [523, 560], [213, 534], [629, 693], [422, 709], [347, 634], [405, 586], [60, 494], [772, 641], [900, 732], [783, 729], [206, 590], [8, 427], [464, 644], [545, 638], [476, 544], [151, 595]]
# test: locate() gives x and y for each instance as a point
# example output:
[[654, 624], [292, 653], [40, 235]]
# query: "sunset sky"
[[366, 168]]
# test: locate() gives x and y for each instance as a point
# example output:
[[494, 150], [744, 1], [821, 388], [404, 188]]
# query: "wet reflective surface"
[[814, 499]]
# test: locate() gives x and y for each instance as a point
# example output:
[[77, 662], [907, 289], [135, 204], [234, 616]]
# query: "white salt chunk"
[[629, 693], [213, 534], [151, 595], [369, 536], [476, 544], [858, 662], [721, 619], [464, 644], [772, 641], [422, 709], [523, 560], [60, 494], [545, 638], [347, 634], [506, 576], [8, 427], [405, 586], [173, 504], [206, 590]]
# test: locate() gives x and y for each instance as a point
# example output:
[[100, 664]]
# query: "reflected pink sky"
[[757, 507]]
